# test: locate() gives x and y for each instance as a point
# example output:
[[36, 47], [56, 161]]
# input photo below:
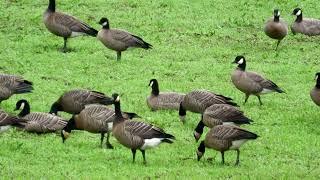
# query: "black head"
[[198, 130], [116, 97], [155, 86], [241, 61], [55, 107], [297, 12], [104, 22], [65, 132], [201, 150], [317, 78], [276, 13], [24, 105], [52, 5]]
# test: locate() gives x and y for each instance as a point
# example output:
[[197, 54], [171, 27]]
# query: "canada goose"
[[39, 122], [276, 28], [64, 25], [307, 26], [119, 40], [11, 84], [219, 114], [197, 101], [251, 83], [8, 120], [223, 138], [75, 100], [136, 135], [315, 92], [94, 118], [163, 100]]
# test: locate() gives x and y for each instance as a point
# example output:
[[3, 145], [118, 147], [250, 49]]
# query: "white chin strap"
[[240, 61], [104, 24], [298, 13]]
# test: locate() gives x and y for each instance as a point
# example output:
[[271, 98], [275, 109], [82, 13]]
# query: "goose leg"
[[246, 99], [222, 156], [238, 154], [101, 139], [109, 146], [133, 155], [144, 156], [259, 100], [118, 55], [278, 44], [64, 49]]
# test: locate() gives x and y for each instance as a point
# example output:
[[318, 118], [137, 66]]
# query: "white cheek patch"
[[240, 61], [298, 13], [105, 23], [151, 83], [278, 14], [22, 105], [118, 99]]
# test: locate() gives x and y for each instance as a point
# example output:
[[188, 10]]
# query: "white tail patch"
[[229, 123], [240, 61], [236, 144], [4, 128], [151, 143], [298, 13], [110, 125], [266, 91], [75, 34]]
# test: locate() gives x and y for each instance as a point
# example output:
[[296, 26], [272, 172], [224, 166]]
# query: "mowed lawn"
[[194, 45]]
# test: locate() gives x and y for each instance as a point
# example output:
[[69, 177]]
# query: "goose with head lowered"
[[198, 101], [251, 83], [163, 100], [74, 101], [306, 26], [219, 114], [7, 121], [64, 25], [137, 135], [39, 122], [276, 28], [223, 138], [119, 40], [94, 118]]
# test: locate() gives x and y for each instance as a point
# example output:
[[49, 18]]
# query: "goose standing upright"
[[119, 40], [276, 28], [163, 100], [307, 26], [137, 135], [251, 83], [64, 25]]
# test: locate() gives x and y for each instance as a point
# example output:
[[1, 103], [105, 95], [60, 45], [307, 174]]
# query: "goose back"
[[307, 26], [11, 84], [165, 100], [43, 122]]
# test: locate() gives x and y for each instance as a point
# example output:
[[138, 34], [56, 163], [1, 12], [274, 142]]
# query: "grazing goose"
[[307, 26], [251, 83], [39, 122], [137, 135], [94, 118], [219, 114], [75, 100], [64, 25], [119, 40], [197, 101], [7, 120], [11, 84], [164, 100], [223, 138], [315, 92], [276, 28]]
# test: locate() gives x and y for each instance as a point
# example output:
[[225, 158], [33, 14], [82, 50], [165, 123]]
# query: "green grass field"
[[194, 45]]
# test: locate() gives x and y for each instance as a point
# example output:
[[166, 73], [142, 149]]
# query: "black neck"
[[55, 108], [242, 66], [106, 26], [70, 126], [118, 113], [52, 5], [318, 83], [202, 147], [276, 19], [299, 18], [25, 110], [199, 128], [155, 88], [182, 111]]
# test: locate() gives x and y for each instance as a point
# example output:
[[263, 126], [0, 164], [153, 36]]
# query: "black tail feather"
[[92, 32], [24, 87], [144, 44], [167, 141]]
